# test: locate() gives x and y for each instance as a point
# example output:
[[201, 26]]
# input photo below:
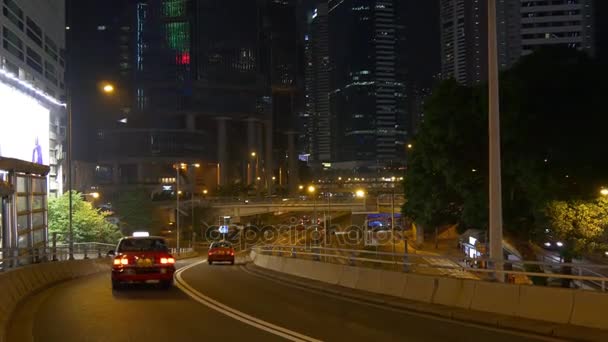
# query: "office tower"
[[318, 123], [367, 89], [33, 51]]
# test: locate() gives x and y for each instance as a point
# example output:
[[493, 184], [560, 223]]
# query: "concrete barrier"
[[419, 288], [454, 292], [393, 283], [275, 263], [546, 304], [369, 280], [553, 305], [18, 284], [496, 297], [590, 309], [349, 277]]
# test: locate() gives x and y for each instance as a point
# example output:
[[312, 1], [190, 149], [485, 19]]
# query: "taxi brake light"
[[167, 261], [124, 261]]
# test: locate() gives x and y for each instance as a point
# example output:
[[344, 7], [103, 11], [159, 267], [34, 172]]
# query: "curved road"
[[224, 302]]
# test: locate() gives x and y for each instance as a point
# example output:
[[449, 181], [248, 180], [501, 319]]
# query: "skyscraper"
[[317, 121], [367, 95], [523, 26], [464, 40], [559, 22], [32, 49]]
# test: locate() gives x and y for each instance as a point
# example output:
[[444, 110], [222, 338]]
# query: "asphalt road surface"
[[223, 303]]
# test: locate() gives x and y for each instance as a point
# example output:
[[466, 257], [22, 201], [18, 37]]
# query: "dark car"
[[142, 260], [221, 252]]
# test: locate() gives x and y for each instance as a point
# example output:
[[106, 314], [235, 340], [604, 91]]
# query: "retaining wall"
[[555, 305], [19, 283]]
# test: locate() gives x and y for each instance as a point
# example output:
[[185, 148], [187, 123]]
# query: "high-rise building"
[[522, 27], [32, 122], [367, 98], [317, 117], [32, 50], [558, 22], [464, 40]]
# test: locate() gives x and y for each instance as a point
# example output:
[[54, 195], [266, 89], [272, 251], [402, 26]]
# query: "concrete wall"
[[17, 284], [555, 305]]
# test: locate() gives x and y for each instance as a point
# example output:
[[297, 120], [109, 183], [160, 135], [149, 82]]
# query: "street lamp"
[[107, 89], [178, 192], [361, 194], [410, 146], [311, 190], [604, 192]]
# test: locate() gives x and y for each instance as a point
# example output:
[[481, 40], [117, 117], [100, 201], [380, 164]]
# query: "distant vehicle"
[[221, 251], [142, 259], [305, 220], [550, 242]]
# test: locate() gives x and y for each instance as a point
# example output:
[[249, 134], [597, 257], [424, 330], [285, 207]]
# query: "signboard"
[[24, 128]]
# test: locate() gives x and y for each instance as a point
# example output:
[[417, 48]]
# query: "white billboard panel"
[[24, 127]]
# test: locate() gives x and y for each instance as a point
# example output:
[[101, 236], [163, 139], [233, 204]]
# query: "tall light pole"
[[495, 195], [311, 191], [106, 88], [177, 206]]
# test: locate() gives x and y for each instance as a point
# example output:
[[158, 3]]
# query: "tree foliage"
[[581, 224], [552, 123], [137, 212], [88, 224]]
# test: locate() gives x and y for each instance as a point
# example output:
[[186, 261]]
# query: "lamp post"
[[311, 191], [107, 88], [495, 195], [361, 194], [178, 192]]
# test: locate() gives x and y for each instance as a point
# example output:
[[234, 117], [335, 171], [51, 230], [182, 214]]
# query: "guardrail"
[[417, 263], [16, 257]]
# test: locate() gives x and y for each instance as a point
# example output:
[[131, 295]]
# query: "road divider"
[[562, 307], [18, 284]]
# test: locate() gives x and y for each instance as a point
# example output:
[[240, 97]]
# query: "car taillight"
[[231, 253], [121, 261], [210, 253], [165, 261]]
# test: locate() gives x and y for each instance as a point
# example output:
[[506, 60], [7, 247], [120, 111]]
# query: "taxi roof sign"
[[141, 234]]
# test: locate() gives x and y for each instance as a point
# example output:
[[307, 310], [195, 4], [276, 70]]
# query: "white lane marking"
[[235, 314]]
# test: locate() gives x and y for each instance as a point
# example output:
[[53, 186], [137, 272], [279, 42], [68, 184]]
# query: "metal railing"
[[182, 250], [425, 264], [16, 257]]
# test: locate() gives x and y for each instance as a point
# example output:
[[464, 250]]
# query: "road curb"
[[484, 319]]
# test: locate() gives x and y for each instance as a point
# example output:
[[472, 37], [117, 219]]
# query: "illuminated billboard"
[[24, 126]]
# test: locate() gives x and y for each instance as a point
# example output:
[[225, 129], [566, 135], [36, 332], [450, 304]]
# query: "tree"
[[88, 224], [552, 121], [137, 212]]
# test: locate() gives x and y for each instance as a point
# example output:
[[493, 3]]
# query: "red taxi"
[[220, 252], [142, 259]]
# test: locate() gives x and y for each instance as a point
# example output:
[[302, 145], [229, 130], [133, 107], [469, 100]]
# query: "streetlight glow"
[[197, 165], [108, 88], [301, 187], [604, 192], [253, 154], [95, 195], [360, 193], [311, 189], [205, 191], [410, 146]]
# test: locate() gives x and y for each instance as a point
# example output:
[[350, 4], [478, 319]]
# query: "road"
[[225, 302]]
